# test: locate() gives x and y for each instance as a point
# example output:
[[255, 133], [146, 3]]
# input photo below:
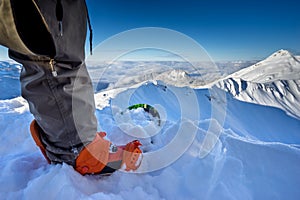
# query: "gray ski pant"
[[54, 78]]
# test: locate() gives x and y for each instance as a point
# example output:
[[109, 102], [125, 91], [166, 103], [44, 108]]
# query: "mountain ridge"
[[274, 81]]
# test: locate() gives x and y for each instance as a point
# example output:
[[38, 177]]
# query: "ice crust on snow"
[[256, 156]]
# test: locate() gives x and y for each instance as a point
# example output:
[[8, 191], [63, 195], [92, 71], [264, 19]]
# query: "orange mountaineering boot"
[[102, 157], [35, 133]]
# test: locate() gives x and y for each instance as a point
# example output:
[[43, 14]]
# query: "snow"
[[210, 145]]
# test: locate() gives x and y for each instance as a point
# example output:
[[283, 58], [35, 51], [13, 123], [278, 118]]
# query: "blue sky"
[[228, 30]]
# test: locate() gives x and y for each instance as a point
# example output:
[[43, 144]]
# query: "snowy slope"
[[274, 81], [9, 81], [256, 156]]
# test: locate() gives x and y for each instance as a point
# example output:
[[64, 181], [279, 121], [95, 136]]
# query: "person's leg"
[[63, 106], [56, 84], [62, 103]]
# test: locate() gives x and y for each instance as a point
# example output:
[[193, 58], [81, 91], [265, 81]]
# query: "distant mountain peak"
[[281, 53], [283, 56], [179, 73]]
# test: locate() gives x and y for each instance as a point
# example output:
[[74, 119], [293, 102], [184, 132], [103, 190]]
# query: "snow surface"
[[235, 149]]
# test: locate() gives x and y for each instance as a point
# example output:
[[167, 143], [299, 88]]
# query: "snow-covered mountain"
[[247, 151], [274, 81]]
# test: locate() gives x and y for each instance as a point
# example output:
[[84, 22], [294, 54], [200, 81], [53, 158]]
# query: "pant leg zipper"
[[52, 67]]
